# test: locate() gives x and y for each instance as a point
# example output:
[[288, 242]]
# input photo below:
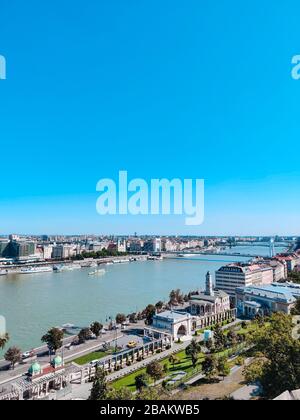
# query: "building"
[[121, 246], [290, 260], [210, 307], [263, 300], [279, 270], [289, 396], [61, 252], [3, 248], [232, 276], [153, 245], [47, 252], [173, 324]]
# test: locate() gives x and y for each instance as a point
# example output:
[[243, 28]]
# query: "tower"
[[272, 248], [209, 290]]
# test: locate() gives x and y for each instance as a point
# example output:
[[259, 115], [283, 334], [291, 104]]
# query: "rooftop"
[[172, 315]]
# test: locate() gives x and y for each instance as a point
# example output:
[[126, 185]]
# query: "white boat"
[[120, 261], [3, 272], [36, 270], [100, 272], [64, 267]]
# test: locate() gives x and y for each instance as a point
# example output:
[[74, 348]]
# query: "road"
[[42, 355]]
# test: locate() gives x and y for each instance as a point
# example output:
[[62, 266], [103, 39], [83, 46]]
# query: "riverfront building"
[[263, 300], [232, 276], [173, 324], [211, 306]]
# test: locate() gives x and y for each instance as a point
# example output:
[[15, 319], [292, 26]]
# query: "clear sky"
[[197, 89]]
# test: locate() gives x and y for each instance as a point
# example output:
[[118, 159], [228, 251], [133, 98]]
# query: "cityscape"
[[177, 341]]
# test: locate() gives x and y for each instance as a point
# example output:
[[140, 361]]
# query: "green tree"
[[122, 394], [193, 351], [99, 389], [149, 312], [151, 393], [84, 335], [4, 339], [120, 318], [96, 328], [210, 366], [174, 360], [253, 372], [155, 370], [159, 305], [223, 366], [232, 338], [141, 381], [219, 338], [53, 339], [13, 355], [279, 369], [296, 309]]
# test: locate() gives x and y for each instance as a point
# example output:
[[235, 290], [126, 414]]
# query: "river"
[[33, 303]]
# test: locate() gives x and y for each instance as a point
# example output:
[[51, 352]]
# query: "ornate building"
[[211, 306]]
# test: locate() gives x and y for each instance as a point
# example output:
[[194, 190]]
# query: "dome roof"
[[57, 361], [35, 369]]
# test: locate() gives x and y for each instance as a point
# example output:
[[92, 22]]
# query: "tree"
[[176, 297], [13, 355], [232, 338], [4, 339], [53, 339], [155, 371], [149, 312], [96, 328], [296, 309], [193, 351], [209, 366], [99, 389], [173, 359], [219, 338], [279, 368], [159, 305], [141, 381], [223, 366], [209, 344], [254, 371], [122, 394], [150, 393], [120, 318], [84, 335], [133, 318]]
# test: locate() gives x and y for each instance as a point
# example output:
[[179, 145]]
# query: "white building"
[[47, 252], [177, 325], [231, 276]]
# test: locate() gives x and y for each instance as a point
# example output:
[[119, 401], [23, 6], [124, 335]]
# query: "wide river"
[[33, 303]]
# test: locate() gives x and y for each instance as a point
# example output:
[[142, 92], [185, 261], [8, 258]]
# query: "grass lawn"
[[184, 364], [83, 360]]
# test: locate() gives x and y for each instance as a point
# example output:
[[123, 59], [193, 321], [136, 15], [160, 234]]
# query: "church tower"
[[209, 290]]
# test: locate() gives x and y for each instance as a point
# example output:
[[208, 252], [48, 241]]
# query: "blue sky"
[[160, 89]]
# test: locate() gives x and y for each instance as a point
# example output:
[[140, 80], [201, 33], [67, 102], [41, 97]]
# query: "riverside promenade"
[[43, 358]]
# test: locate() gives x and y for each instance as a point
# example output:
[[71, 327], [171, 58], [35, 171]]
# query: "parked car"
[[27, 355], [93, 363]]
